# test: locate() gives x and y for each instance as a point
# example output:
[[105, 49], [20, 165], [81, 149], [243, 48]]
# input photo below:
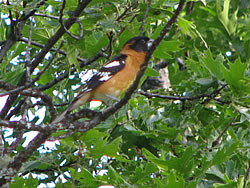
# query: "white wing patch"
[[105, 76], [113, 64]]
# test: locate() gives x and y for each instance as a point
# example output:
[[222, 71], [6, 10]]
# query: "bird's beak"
[[149, 43]]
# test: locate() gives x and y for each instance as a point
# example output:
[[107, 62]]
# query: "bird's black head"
[[139, 44]]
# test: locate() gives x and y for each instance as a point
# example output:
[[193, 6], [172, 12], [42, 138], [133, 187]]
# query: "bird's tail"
[[78, 101], [61, 116]]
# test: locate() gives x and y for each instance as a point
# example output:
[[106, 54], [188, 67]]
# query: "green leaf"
[[28, 182], [85, 177], [116, 178], [98, 146], [18, 182], [185, 25], [54, 3], [235, 74], [184, 164], [213, 66], [30, 165], [45, 77], [166, 46], [94, 42], [171, 46], [142, 174], [71, 56], [204, 81], [173, 182], [221, 156], [228, 23], [151, 72], [224, 154]]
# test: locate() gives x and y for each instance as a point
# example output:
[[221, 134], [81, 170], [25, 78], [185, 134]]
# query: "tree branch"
[[246, 176], [16, 110], [28, 60], [144, 18], [210, 95], [53, 82], [76, 20], [52, 49], [216, 142], [126, 10], [21, 125]]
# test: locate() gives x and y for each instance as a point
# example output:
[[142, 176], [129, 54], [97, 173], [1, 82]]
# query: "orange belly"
[[117, 84]]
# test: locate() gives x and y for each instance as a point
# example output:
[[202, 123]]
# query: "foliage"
[[151, 141]]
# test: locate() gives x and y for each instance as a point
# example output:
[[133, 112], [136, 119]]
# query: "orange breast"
[[121, 80]]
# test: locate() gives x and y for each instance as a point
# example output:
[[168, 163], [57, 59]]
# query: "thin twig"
[[214, 94], [50, 61], [16, 109], [40, 56], [49, 169], [210, 95], [216, 142], [14, 90], [126, 10], [222, 101], [99, 54], [79, 154], [76, 20], [145, 17], [246, 176], [10, 13], [15, 143], [2, 142], [32, 12], [46, 15], [51, 49], [53, 82], [23, 156], [39, 103], [55, 138], [123, 28], [20, 125], [84, 113], [28, 49], [25, 110], [38, 94]]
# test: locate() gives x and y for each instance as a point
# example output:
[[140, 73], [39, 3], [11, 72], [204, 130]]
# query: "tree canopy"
[[184, 122]]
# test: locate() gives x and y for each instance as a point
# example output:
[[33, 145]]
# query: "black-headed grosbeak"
[[115, 76]]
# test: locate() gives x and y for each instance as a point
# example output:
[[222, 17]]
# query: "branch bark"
[[209, 95]]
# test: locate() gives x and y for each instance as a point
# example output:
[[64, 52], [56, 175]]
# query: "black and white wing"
[[105, 73]]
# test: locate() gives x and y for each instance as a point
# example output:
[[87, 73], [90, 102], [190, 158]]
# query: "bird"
[[114, 77]]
